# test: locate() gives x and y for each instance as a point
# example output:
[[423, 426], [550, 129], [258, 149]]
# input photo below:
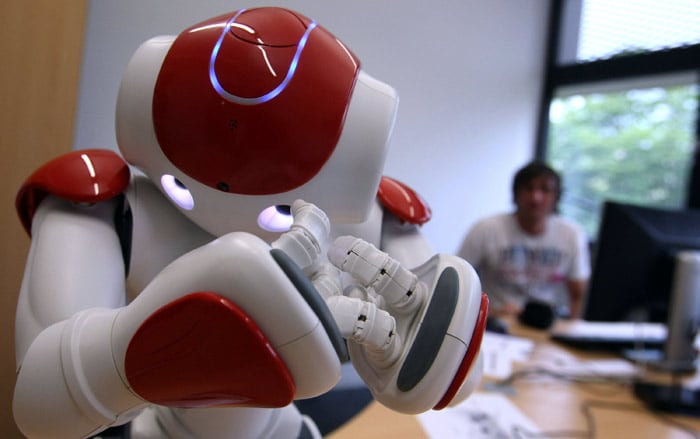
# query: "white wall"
[[468, 74]]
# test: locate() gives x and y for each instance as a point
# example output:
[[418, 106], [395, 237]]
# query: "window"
[[620, 107], [599, 29], [628, 144]]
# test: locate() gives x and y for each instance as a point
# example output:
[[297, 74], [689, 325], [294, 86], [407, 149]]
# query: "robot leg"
[[157, 422]]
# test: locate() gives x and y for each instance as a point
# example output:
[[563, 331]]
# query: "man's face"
[[537, 198]]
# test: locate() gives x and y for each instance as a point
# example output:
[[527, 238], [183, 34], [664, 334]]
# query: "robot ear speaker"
[[314, 300]]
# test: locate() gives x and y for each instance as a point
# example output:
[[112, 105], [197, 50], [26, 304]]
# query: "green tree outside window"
[[631, 146]]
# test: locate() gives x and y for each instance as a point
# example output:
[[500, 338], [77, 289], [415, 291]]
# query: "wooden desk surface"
[[556, 406]]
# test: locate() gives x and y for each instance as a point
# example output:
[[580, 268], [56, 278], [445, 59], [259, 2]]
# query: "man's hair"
[[534, 170]]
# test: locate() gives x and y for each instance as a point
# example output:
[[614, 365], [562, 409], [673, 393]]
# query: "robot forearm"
[[180, 343], [68, 385]]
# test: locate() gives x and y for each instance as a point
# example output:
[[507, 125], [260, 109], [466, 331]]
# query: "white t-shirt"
[[515, 267]]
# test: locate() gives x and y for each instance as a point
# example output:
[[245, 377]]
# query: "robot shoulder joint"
[[82, 176], [403, 201]]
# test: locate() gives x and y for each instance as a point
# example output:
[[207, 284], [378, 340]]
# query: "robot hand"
[[417, 334]]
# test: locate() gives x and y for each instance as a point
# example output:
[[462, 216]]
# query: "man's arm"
[[577, 290]]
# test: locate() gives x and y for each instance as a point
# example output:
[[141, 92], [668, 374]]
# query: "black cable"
[[519, 432], [590, 382], [587, 406]]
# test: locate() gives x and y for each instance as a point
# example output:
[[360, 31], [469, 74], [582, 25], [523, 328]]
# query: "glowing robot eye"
[[276, 218], [177, 191]]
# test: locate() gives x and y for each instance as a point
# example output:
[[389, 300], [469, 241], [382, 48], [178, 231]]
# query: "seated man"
[[532, 254]]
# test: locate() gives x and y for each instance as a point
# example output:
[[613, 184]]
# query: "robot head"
[[240, 115]]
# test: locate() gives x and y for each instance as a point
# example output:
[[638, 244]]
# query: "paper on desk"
[[500, 351], [483, 415], [562, 363]]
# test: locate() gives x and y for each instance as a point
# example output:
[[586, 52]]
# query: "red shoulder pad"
[[83, 176], [403, 201]]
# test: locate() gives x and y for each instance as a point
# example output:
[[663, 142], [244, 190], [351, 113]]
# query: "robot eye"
[[276, 218], [177, 191], [284, 209]]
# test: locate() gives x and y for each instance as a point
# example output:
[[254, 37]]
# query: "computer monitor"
[[634, 260], [647, 267]]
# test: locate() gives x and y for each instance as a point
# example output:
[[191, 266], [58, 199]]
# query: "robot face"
[[253, 103], [275, 218], [239, 116]]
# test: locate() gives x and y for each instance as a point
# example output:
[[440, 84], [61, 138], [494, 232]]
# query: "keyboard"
[[609, 335]]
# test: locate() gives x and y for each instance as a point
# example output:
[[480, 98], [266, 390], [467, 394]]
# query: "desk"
[[554, 405]]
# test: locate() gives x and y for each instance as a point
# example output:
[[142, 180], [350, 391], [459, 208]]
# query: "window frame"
[[620, 68]]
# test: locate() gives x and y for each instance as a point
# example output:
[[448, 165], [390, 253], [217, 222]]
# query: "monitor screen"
[[634, 259]]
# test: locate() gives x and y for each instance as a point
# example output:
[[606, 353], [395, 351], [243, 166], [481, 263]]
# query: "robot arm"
[[404, 212], [221, 325], [75, 262], [65, 235]]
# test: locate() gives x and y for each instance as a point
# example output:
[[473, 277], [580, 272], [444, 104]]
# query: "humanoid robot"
[[228, 264]]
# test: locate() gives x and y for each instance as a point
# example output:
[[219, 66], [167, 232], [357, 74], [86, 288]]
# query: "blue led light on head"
[[267, 96]]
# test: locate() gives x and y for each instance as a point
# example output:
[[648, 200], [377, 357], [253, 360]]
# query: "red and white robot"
[[228, 263]]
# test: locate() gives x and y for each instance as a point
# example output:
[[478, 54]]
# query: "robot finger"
[[364, 323], [307, 237], [372, 268], [313, 220]]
